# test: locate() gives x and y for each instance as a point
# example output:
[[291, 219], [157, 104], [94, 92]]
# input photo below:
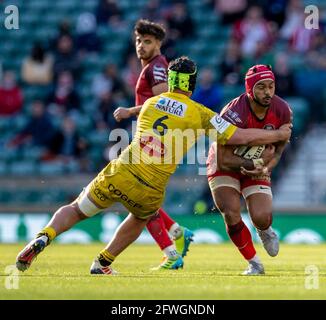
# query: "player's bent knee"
[[227, 208], [262, 220], [232, 217]]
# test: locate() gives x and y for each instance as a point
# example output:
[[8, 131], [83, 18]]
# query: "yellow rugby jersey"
[[167, 127]]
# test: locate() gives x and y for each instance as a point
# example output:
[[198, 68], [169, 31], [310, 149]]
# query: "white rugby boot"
[[270, 241], [254, 269]]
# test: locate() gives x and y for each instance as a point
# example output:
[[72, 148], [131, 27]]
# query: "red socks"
[[241, 237], [168, 222], [158, 230]]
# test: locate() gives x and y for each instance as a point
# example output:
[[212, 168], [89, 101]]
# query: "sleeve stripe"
[[157, 68], [159, 73], [160, 78]]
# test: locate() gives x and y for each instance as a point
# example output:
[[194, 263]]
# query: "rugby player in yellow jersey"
[[168, 126], [174, 240]]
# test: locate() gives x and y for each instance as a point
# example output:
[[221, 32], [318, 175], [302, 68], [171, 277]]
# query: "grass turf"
[[210, 272]]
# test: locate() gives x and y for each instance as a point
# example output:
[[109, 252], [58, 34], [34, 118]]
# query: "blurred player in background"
[[139, 176], [152, 81], [259, 107]]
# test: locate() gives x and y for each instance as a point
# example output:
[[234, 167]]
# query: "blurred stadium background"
[[71, 63]]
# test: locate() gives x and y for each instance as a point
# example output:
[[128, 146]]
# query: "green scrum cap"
[[183, 81]]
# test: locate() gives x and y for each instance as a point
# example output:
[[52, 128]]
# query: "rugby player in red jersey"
[[140, 184], [152, 81], [258, 107]]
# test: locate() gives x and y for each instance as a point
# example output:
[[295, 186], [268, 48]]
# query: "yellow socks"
[[105, 258], [49, 232]]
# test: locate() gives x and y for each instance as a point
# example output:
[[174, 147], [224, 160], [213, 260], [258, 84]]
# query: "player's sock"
[[171, 252], [105, 258], [241, 237], [156, 228], [168, 221], [175, 231], [255, 259], [47, 235]]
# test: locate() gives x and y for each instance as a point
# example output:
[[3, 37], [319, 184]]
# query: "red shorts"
[[243, 184]]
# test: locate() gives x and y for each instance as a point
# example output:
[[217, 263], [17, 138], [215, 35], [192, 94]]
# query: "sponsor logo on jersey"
[[100, 195], [233, 116], [123, 196], [152, 146], [219, 124], [171, 106]]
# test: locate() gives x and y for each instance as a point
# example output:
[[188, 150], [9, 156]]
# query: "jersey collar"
[[253, 113]]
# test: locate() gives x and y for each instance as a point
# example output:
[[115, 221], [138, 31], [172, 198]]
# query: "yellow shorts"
[[115, 183]]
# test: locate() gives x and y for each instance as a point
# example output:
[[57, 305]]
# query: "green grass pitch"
[[210, 272]]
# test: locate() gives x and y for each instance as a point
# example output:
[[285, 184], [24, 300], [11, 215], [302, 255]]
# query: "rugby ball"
[[246, 152]]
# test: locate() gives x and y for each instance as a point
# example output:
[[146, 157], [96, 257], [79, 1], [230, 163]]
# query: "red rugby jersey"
[[239, 113], [152, 74]]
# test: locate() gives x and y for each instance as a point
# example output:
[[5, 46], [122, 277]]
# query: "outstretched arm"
[[232, 135], [254, 137]]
